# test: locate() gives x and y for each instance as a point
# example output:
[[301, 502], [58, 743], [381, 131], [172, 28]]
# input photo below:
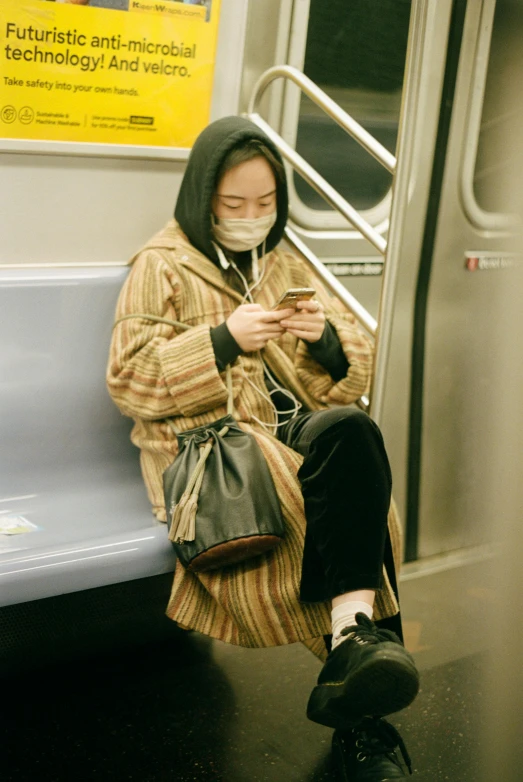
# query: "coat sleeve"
[[156, 371], [356, 346]]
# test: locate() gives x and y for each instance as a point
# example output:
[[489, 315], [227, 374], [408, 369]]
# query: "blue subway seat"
[[67, 466]]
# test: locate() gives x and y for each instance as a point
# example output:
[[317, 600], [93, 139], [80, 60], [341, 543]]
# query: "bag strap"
[[185, 327]]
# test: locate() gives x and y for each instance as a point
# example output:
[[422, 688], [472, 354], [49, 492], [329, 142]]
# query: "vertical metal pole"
[[400, 195]]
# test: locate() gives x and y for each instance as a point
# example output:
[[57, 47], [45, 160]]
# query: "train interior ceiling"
[[97, 682]]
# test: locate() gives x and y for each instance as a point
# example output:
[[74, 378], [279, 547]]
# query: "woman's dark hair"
[[248, 150]]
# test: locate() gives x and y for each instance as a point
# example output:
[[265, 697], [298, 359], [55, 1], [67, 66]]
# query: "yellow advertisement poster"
[[126, 72]]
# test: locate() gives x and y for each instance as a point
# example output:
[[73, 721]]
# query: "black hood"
[[193, 207]]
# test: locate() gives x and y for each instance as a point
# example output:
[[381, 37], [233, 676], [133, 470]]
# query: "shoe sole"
[[385, 684]]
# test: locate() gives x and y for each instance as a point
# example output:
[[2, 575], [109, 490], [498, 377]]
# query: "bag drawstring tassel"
[[186, 529], [181, 526], [183, 521], [176, 517]]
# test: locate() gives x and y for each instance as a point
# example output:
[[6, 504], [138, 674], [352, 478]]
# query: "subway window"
[[355, 52], [500, 119]]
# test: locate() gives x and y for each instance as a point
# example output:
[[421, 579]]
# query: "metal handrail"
[[331, 108], [324, 189], [321, 186], [315, 180], [391, 249], [332, 283]]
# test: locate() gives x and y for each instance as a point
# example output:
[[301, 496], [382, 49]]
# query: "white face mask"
[[243, 234]]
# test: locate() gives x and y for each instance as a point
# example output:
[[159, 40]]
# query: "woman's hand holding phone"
[[307, 321], [252, 326]]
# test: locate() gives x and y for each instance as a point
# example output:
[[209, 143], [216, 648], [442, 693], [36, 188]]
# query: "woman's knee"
[[347, 445], [339, 433], [352, 422], [356, 436]]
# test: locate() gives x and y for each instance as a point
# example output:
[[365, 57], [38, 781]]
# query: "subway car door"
[[372, 58], [465, 266]]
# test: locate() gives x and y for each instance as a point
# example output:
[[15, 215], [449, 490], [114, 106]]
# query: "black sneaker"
[[370, 674], [367, 753]]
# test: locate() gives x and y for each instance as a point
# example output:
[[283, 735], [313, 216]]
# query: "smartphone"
[[292, 296]]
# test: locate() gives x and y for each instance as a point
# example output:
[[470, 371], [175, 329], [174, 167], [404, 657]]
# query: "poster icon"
[[8, 114], [26, 115]]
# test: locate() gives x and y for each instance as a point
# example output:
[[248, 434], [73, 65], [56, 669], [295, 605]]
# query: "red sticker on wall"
[[490, 260]]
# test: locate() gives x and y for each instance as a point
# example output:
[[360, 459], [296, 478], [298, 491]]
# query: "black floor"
[[188, 708]]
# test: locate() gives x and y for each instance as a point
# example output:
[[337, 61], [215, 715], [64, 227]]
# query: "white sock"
[[344, 615]]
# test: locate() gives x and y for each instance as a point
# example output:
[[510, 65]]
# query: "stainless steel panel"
[[463, 388], [503, 756], [394, 420], [423, 98]]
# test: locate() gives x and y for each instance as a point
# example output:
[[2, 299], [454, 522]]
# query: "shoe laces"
[[366, 632], [375, 736]]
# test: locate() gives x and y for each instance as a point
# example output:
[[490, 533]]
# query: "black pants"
[[346, 484]]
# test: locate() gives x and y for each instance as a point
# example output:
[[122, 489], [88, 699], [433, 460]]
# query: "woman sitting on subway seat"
[[295, 371]]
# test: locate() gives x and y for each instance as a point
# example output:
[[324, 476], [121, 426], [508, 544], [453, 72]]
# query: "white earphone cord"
[[297, 405], [267, 424]]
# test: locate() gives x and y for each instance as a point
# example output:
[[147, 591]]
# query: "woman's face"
[[246, 191]]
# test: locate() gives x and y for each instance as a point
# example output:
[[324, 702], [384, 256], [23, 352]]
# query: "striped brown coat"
[[155, 373]]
